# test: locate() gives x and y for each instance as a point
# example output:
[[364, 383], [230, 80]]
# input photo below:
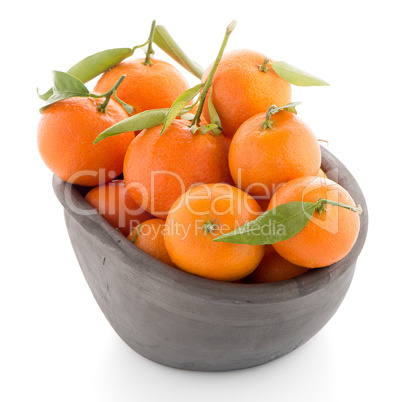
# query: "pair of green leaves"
[[280, 223], [96, 64], [182, 101], [180, 106], [67, 86]]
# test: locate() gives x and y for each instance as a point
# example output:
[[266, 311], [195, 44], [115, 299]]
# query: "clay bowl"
[[184, 321]]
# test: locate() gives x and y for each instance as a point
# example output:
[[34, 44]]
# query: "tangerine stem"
[[103, 106], [320, 207], [267, 123], [209, 227], [290, 107], [210, 77], [150, 51], [263, 66]]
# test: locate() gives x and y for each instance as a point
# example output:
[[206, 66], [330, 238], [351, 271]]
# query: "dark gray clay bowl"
[[184, 321]]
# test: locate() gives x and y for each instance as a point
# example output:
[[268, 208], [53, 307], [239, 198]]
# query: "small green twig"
[[150, 50], [103, 106], [267, 123], [321, 203], [290, 107]]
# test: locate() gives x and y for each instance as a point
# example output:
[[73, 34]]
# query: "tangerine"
[[274, 268], [330, 234], [148, 236], [200, 215], [145, 87], [66, 132], [114, 203], [159, 168], [262, 159], [241, 89]]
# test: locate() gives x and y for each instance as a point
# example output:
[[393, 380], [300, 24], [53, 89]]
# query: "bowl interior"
[[72, 198]]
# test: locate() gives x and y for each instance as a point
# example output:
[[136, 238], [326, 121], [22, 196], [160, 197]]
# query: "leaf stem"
[[210, 77], [150, 50], [290, 107], [320, 206], [267, 123], [103, 106]]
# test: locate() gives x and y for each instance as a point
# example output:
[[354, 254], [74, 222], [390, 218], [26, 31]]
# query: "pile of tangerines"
[[221, 180]]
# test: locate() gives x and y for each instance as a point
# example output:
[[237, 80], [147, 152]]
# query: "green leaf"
[[46, 95], [164, 41], [290, 107], [128, 108], [65, 82], [59, 96], [278, 224], [179, 104], [65, 86], [90, 67], [188, 116], [140, 121], [295, 76]]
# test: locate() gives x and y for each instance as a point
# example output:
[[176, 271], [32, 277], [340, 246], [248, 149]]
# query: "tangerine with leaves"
[[149, 237], [66, 132], [149, 84], [270, 149], [114, 203], [332, 230], [243, 86], [200, 215]]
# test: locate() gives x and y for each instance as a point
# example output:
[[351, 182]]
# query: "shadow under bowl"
[[188, 322]]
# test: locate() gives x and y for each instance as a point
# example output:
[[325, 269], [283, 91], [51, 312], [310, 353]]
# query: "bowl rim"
[[215, 291]]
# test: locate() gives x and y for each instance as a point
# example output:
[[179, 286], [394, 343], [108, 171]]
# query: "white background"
[[55, 344]]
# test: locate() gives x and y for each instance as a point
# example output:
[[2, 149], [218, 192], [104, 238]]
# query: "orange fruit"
[[144, 87], [261, 160], [322, 174], [241, 90], [200, 215], [274, 268], [66, 132], [327, 237], [159, 168], [114, 203], [148, 236]]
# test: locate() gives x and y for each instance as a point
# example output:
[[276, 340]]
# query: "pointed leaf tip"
[[179, 104], [295, 76]]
